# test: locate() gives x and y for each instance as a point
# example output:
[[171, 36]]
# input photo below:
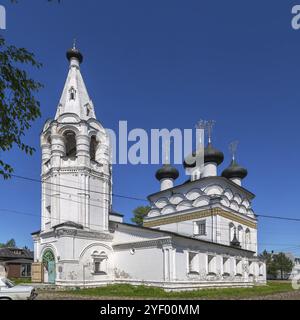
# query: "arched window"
[[247, 239], [231, 231], [70, 139], [72, 92], [93, 148]]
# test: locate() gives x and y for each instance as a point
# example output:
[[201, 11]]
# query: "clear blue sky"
[[167, 64]]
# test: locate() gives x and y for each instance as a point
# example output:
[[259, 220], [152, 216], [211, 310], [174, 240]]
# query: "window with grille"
[[200, 228]]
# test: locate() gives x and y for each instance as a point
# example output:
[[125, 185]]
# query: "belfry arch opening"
[[93, 148], [70, 141]]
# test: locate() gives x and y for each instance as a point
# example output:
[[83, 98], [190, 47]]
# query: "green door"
[[51, 272], [49, 263]]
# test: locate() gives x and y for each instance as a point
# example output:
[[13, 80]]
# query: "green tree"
[[277, 263], [283, 264], [9, 244], [18, 105], [139, 214]]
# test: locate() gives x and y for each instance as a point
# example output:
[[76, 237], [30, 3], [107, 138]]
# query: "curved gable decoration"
[[228, 194], [246, 203], [213, 190], [168, 209], [225, 202], [161, 203], [237, 198], [177, 198], [201, 201], [243, 209], [153, 213], [194, 194], [234, 205], [184, 205]]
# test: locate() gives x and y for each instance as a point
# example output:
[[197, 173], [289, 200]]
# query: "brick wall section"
[[13, 270]]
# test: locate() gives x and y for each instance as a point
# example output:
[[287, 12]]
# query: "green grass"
[[151, 292], [20, 280]]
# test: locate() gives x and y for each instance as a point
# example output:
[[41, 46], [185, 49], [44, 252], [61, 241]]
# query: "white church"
[[202, 233]]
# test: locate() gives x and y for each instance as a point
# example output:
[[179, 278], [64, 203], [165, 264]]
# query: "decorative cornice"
[[200, 214], [80, 170], [67, 232], [159, 242]]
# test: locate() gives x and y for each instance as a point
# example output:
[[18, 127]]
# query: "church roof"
[[75, 98], [174, 234], [208, 180]]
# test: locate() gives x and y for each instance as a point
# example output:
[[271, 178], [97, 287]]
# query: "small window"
[[93, 148], [26, 270], [251, 268], [193, 267], [72, 92], [88, 109], [71, 149], [200, 228], [97, 266], [99, 262]]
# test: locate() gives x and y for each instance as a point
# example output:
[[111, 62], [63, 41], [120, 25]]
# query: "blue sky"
[[167, 64]]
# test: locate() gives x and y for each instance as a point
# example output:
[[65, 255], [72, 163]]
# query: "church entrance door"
[[50, 266], [51, 272]]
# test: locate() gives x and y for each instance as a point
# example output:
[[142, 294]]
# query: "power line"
[[35, 215], [278, 218], [124, 197], [76, 188]]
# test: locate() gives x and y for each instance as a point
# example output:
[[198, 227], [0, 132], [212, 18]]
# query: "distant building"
[[17, 262]]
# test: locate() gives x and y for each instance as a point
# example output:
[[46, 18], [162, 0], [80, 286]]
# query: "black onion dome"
[[235, 171], [74, 53], [167, 172], [189, 161], [210, 155], [213, 155]]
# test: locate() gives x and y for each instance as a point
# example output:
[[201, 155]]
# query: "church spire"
[[75, 98]]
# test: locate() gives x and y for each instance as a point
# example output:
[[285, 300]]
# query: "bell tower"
[[76, 160]]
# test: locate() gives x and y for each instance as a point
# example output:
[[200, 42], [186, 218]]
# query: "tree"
[[277, 263], [283, 264], [139, 214], [9, 244], [18, 106]]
